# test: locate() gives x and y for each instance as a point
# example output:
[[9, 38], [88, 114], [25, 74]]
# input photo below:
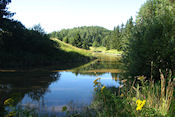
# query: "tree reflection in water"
[[99, 67], [17, 85]]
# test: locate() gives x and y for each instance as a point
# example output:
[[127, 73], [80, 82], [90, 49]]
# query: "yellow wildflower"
[[143, 102], [96, 79], [139, 108], [97, 83], [8, 101], [140, 104], [103, 88], [122, 95], [11, 114]]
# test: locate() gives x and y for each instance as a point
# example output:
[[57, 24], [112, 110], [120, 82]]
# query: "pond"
[[50, 91]]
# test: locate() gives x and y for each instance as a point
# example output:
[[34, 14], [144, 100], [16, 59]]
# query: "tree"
[[1, 39], [95, 44], [85, 45], [126, 33], [116, 40], [65, 39], [152, 41], [3, 9], [78, 41], [38, 28]]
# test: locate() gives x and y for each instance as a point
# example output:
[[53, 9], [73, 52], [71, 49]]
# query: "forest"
[[88, 36]]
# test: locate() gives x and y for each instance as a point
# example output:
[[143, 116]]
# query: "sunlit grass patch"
[[105, 51], [114, 51], [98, 49], [69, 48]]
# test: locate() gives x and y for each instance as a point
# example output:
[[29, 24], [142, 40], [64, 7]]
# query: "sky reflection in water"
[[71, 87]]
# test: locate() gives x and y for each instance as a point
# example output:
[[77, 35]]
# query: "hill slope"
[[69, 48], [96, 52]]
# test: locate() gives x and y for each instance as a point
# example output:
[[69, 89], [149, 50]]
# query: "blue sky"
[[54, 15]]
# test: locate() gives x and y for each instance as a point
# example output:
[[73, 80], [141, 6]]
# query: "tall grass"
[[139, 98]]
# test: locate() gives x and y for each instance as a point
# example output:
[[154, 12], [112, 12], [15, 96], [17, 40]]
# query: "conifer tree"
[[4, 13]]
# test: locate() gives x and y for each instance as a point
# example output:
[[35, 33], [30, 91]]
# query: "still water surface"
[[71, 88], [48, 90]]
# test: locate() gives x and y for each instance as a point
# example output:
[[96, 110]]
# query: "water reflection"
[[71, 88], [52, 90], [98, 67], [17, 85]]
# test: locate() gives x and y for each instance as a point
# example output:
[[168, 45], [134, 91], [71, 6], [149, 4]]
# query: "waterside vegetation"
[[138, 98]]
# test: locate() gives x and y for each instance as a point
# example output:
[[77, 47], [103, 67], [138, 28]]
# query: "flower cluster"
[[140, 104], [103, 88], [8, 101], [98, 85]]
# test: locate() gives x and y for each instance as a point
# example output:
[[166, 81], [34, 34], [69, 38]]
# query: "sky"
[[54, 15]]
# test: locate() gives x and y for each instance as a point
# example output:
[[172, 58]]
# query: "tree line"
[[87, 36], [83, 37]]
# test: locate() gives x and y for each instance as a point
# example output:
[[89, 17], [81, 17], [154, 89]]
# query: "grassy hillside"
[[69, 48], [93, 52]]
